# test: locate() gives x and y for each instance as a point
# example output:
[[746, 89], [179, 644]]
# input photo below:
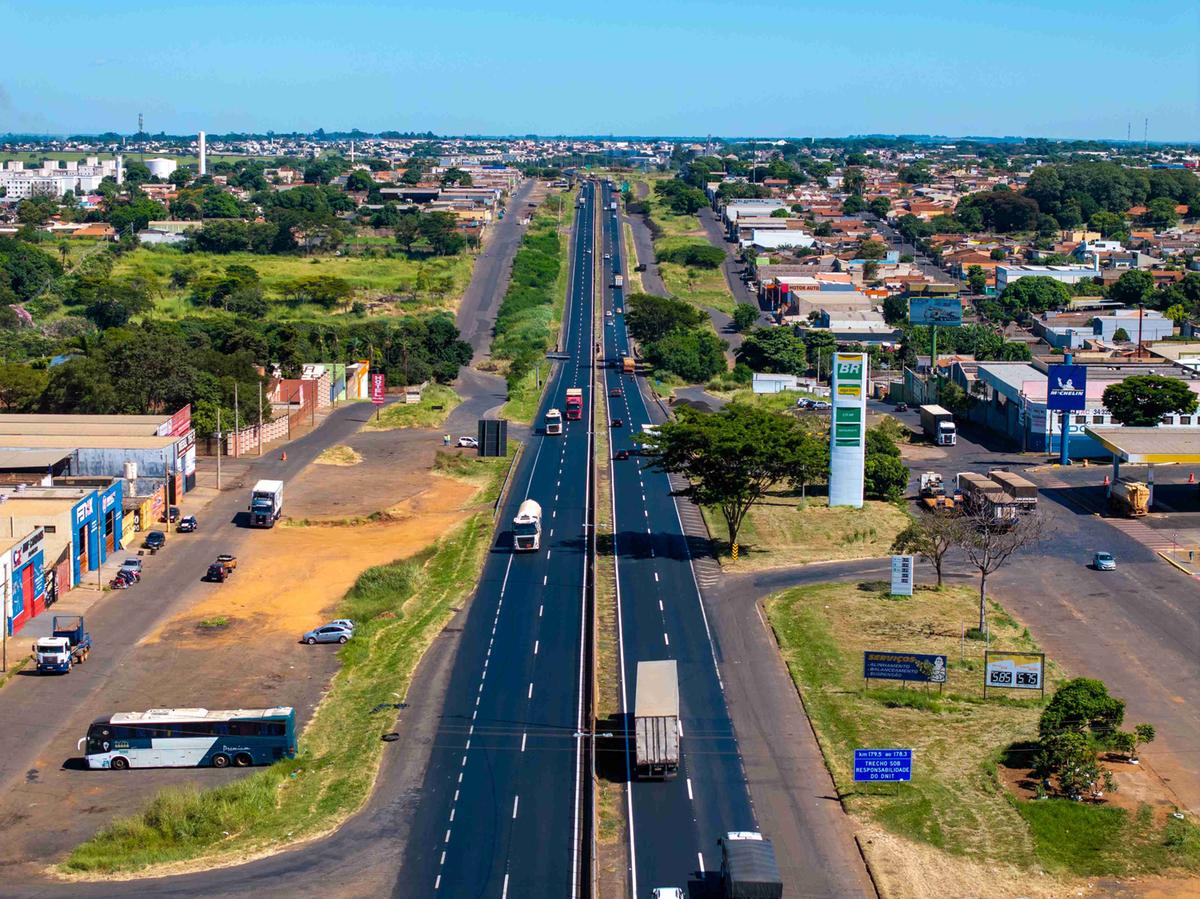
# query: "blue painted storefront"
[[28, 597], [96, 529]]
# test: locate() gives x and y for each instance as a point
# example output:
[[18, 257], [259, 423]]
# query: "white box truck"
[[553, 422], [527, 527], [938, 425], [656, 719], [266, 504]]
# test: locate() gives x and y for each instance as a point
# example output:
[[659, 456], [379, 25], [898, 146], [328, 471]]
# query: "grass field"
[[371, 277], [785, 529], [702, 286], [437, 402], [954, 802], [401, 608]]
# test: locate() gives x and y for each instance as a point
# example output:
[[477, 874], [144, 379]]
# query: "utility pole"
[[237, 428], [260, 420], [219, 440]]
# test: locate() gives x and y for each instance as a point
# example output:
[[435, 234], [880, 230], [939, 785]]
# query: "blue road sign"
[[882, 764], [1067, 387]]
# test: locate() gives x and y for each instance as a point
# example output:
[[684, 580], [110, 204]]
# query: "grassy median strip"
[[437, 402], [956, 801], [401, 608]]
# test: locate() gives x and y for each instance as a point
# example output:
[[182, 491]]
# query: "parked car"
[[218, 573], [822, 405], [469, 442], [155, 540], [228, 560], [804, 403], [133, 566], [616, 391], [1104, 562], [901, 407], [172, 514], [187, 524], [329, 633], [617, 422], [343, 622]]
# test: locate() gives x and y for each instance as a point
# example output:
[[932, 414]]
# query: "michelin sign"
[[847, 433], [1067, 387]]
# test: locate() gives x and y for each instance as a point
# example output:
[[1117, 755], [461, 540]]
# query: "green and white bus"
[[188, 738]]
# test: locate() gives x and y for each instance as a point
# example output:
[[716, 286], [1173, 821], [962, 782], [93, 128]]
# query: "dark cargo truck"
[[656, 720], [748, 867]]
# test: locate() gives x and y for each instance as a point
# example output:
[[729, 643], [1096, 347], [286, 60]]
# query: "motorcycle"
[[120, 583]]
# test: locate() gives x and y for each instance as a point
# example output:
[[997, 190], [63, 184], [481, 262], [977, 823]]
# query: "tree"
[[1141, 401], [455, 175], [953, 398], [884, 477], [932, 537], [854, 181], [694, 354], [650, 317], [880, 207], [774, 350], [360, 180], [20, 387], [1107, 223], [1082, 705], [1032, 295], [1161, 213], [819, 347], [810, 462], [696, 255], [408, 231], [871, 249], [1120, 336], [440, 229], [977, 279], [1177, 313], [728, 458], [1132, 288], [988, 543], [744, 316], [853, 204]]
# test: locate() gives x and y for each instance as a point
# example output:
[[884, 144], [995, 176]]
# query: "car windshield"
[[1104, 557], [131, 563]]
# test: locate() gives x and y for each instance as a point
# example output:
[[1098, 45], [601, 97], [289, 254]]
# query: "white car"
[[469, 442], [667, 893]]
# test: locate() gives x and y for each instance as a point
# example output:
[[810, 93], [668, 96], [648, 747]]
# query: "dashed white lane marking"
[[447, 837], [660, 606], [700, 855], [656, 577], [530, 695], [680, 724], [452, 811], [536, 643], [544, 576], [666, 639], [438, 881], [540, 608], [523, 736], [689, 786], [504, 892], [516, 801]]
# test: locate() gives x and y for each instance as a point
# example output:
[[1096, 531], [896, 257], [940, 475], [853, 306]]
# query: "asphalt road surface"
[[674, 824], [499, 810]]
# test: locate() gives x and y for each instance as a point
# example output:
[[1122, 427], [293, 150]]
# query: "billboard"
[[902, 575], [1066, 387], [847, 435], [914, 666], [1014, 670], [882, 764], [935, 311]]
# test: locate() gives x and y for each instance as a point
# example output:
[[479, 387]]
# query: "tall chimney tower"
[[120, 169], [203, 156]]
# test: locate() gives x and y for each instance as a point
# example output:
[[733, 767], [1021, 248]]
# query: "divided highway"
[[502, 809], [675, 824]]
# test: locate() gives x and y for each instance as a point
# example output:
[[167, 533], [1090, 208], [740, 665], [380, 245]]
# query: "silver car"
[[1104, 562], [328, 633]]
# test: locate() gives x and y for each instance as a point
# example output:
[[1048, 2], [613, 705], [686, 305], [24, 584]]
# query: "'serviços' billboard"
[[906, 666]]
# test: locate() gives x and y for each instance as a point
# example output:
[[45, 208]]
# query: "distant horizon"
[[557, 67], [420, 134]]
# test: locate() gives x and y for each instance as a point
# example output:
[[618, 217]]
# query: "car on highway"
[[187, 524], [608, 256], [1104, 562], [328, 633], [469, 442], [616, 391], [621, 455], [617, 422], [155, 540], [667, 893]]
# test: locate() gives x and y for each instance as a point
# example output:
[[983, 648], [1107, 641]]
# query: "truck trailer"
[[987, 499], [1024, 492], [628, 366], [1131, 498], [618, 281], [574, 403], [656, 720], [749, 869], [938, 425], [69, 645], [527, 527], [266, 504]]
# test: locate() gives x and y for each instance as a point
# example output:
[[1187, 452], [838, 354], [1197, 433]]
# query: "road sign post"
[[1066, 392], [378, 389], [882, 765]]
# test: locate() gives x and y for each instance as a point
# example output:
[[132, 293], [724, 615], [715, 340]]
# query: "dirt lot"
[[237, 644]]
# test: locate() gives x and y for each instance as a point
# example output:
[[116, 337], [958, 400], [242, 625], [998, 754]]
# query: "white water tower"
[[203, 154]]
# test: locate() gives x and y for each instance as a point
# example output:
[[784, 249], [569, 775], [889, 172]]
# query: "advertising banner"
[[1067, 388], [882, 764], [914, 666], [935, 311], [1014, 670], [377, 388], [902, 575], [847, 436]]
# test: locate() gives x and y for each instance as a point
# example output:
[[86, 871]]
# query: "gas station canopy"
[[1150, 446]]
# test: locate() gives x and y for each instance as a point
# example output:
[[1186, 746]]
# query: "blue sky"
[[1053, 68]]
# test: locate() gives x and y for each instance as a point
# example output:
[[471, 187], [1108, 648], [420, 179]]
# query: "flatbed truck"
[[69, 645]]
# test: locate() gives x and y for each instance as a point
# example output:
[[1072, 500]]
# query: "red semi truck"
[[574, 404]]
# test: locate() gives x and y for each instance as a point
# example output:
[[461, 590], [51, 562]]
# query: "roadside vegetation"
[[530, 316], [959, 800], [400, 607], [437, 402]]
